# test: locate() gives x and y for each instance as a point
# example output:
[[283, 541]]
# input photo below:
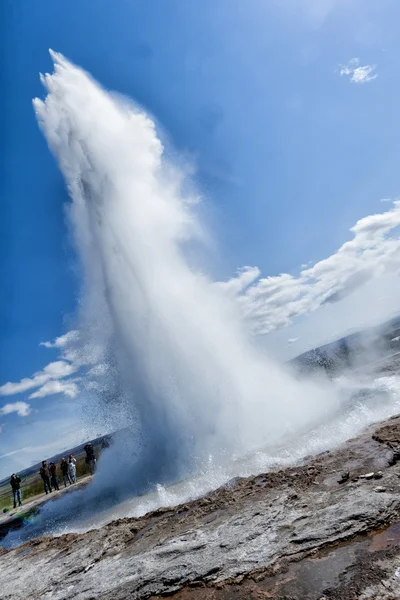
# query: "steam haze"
[[196, 398], [190, 381]]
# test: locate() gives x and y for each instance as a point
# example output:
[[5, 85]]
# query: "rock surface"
[[292, 534]]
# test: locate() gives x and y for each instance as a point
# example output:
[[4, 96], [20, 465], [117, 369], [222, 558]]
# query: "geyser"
[[193, 382]]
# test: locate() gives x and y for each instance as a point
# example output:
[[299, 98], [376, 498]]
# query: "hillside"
[[372, 347]]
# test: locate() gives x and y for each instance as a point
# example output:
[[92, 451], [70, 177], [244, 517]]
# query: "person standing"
[[45, 475], [64, 471], [90, 457], [72, 468], [53, 476], [15, 483]]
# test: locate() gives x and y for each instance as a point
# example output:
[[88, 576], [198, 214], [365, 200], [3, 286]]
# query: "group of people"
[[49, 475]]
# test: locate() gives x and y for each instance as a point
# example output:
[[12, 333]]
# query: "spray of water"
[[198, 395], [197, 384]]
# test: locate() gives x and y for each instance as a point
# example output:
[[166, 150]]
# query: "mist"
[[195, 396], [190, 381]]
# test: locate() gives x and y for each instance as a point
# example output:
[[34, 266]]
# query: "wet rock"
[[380, 489], [234, 532], [367, 476], [344, 477], [378, 475], [390, 458]]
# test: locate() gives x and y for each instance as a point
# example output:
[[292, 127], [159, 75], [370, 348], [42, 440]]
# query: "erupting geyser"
[[183, 372], [193, 383]]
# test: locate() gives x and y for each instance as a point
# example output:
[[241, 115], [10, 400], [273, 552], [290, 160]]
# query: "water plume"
[[187, 377], [196, 399]]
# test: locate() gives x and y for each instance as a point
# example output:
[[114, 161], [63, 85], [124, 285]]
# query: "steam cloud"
[[197, 398], [183, 370]]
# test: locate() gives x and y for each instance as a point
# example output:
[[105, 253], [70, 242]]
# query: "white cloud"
[[68, 388], [54, 370], [244, 277], [8, 389], [267, 303], [73, 356], [273, 302], [357, 73], [21, 408], [63, 340]]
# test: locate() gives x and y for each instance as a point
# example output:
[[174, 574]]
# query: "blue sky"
[[291, 149]]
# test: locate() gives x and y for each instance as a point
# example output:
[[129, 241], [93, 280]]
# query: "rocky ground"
[[327, 529]]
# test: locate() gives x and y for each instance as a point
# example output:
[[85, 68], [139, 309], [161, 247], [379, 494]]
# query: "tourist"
[[53, 476], [64, 471], [45, 475], [15, 483], [90, 457], [72, 468], [105, 443]]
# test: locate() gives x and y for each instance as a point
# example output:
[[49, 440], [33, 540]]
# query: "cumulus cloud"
[[244, 277], [9, 388], [54, 370], [267, 303], [274, 302], [59, 369], [69, 388], [21, 408], [63, 340], [357, 73], [74, 355]]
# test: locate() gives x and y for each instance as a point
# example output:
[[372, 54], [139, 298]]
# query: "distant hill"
[[361, 349]]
